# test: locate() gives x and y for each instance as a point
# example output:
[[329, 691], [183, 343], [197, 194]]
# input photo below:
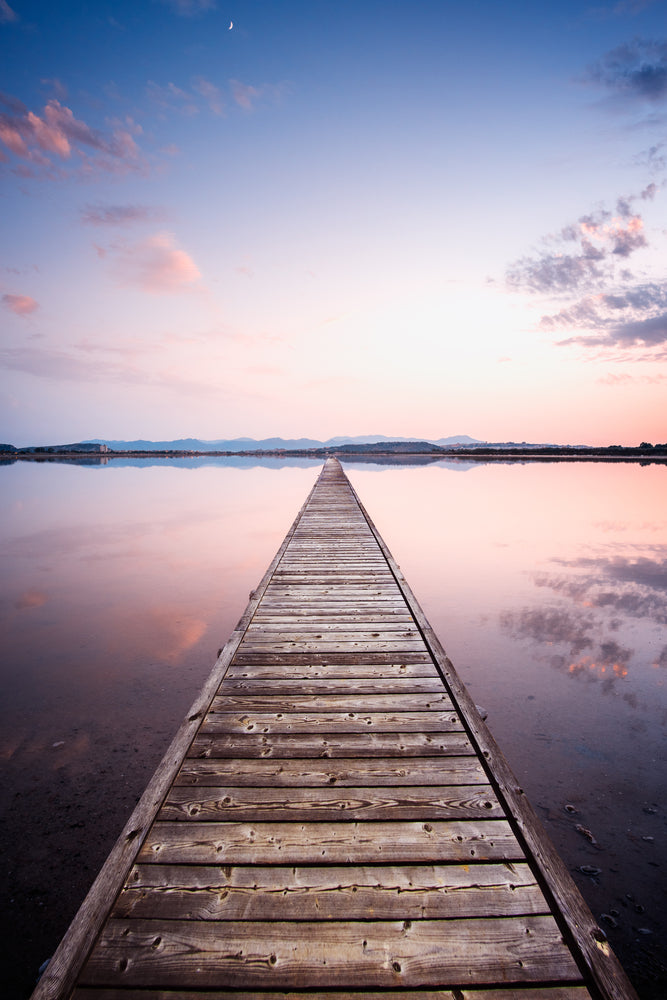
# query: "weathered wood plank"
[[351, 954], [509, 993], [334, 633], [199, 892], [336, 843], [251, 657], [298, 804], [434, 701], [287, 669], [365, 628], [329, 747], [330, 685], [330, 722], [361, 771]]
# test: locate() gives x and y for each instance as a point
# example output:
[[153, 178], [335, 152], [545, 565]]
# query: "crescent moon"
[[231, 25]]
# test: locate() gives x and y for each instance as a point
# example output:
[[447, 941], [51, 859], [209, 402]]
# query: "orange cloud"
[[156, 265], [31, 599], [22, 305]]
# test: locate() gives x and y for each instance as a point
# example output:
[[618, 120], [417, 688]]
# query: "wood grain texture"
[[352, 954], [334, 685], [213, 803], [331, 722], [509, 993], [332, 703], [330, 746], [334, 843], [305, 772], [198, 892]]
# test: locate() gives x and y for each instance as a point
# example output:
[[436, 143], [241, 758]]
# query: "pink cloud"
[[56, 135], [21, 305], [156, 265]]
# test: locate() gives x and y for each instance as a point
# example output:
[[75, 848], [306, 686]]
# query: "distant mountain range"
[[273, 444]]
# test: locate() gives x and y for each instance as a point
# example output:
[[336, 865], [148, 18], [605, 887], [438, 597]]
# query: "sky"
[[283, 218]]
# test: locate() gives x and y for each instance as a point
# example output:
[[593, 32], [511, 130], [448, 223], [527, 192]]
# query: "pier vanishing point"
[[333, 818]]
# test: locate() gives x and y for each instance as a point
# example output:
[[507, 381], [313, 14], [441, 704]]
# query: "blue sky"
[[333, 218]]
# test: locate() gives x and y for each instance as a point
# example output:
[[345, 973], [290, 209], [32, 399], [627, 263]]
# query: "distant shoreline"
[[363, 453]]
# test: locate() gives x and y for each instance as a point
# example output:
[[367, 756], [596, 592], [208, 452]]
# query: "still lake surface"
[[546, 583]]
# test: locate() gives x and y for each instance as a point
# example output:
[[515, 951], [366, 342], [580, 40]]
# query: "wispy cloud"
[[155, 265], [202, 93], [587, 262], [190, 8], [7, 15], [244, 95], [636, 70], [584, 254], [57, 87], [56, 137], [70, 366], [625, 378], [211, 94], [622, 8], [169, 97], [21, 305], [119, 215], [635, 316]]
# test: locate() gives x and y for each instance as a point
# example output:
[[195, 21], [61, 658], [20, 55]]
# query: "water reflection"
[[120, 582], [641, 582], [546, 586]]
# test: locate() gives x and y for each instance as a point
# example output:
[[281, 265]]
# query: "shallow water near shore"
[[547, 585]]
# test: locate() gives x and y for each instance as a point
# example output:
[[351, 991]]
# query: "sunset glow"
[[261, 219]]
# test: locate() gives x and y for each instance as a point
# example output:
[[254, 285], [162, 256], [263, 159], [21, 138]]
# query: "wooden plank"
[[330, 685], [329, 747], [335, 843], [332, 703], [272, 624], [199, 892], [351, 954], [298, 804], [333, 633], [361, 771], [509, 993], [327, 646], [312, 618], [331, 722], [386, 657], [287, 669]]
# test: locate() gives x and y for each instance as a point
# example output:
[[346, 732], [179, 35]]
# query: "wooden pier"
[[334, 818]]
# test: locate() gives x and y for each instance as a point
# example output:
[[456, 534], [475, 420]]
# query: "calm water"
[[547, 584]]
